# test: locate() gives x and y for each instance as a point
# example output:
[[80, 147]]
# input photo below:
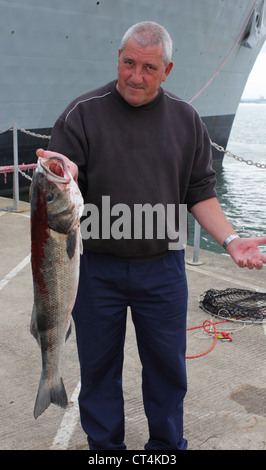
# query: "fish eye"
[[49, 197]]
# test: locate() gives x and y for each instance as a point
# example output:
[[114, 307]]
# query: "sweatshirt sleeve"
[[69, 140], [202, 181]]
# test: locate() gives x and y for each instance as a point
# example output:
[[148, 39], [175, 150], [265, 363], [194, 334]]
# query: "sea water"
[[241, 187]]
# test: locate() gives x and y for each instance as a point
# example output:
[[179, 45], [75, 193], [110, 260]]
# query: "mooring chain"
[[239, 159], [35, 135], [28, 177], [6, 130], [216, 146]]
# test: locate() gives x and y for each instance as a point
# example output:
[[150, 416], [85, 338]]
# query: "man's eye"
[[149, 67]]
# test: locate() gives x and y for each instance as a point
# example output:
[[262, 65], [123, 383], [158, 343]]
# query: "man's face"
[[141, 70]]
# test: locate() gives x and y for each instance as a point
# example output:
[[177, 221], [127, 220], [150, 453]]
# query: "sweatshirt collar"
[[149, 105]]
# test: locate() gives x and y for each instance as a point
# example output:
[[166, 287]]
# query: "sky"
[[256, 84]]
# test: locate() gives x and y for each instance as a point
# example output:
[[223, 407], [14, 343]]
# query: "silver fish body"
[[56, 208]]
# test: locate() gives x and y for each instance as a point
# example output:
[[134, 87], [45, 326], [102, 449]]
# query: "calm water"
[[241, 188]]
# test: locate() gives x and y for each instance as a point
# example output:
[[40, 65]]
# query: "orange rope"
[[216, 333]]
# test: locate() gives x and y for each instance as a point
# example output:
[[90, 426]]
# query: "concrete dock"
[[225, 407]]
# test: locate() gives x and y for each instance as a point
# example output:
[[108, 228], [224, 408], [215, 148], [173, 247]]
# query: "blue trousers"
[[156, 291]]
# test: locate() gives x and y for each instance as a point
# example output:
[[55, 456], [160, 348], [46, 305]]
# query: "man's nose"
[[136, 76]]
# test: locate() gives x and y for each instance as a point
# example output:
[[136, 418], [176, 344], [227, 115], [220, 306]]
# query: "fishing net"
[[235, 304]]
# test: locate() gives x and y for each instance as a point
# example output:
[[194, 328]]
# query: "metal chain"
[[35, 135], [28, 177], [216, 146], [239, 159], [40, 136], [6, 130]]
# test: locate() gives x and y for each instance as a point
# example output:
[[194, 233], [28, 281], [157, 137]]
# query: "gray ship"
[[54, 50]]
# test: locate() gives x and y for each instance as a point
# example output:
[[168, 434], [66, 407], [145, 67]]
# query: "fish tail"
[[48, 394]]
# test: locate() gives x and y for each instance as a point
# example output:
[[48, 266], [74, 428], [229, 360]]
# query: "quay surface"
[[225, 407]]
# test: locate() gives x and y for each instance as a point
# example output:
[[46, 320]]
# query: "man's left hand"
[[245, 252]]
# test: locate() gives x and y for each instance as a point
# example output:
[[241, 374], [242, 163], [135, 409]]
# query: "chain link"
[[239, 159], [28, 177], [35, 135], [216, 146], [6, 130], [40, 136]]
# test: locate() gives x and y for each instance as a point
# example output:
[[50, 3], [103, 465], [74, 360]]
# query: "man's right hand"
[[73, 168]]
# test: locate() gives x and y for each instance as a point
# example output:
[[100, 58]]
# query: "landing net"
[[235, 304]]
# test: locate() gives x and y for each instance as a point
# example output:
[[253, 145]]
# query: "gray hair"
[[148, 33]]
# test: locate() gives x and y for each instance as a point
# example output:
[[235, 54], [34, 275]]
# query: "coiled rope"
[[217, 334]]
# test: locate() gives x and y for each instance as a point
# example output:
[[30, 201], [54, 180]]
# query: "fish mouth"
[[56, 168]]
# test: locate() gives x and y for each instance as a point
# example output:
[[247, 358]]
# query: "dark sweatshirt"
[[158, 153]]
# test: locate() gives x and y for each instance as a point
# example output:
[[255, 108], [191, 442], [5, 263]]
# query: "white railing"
[[16, 168]]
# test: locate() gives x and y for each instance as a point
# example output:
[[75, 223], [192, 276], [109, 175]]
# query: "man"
[[137, 145]]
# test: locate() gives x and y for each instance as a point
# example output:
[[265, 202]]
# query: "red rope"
[[216, 333], [10, 168]]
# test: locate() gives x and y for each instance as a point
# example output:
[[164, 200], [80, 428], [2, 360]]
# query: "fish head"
[[55, 197]]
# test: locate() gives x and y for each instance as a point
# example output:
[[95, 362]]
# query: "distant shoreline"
[[254, 101]]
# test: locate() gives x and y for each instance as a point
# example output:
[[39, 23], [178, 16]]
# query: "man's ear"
[[168, 69]]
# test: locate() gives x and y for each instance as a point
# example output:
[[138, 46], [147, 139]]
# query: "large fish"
[[56, 208]]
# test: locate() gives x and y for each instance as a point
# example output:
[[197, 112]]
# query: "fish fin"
[[48, 394], [68, 333], [71, 243], [80, 244], [33, 325]]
